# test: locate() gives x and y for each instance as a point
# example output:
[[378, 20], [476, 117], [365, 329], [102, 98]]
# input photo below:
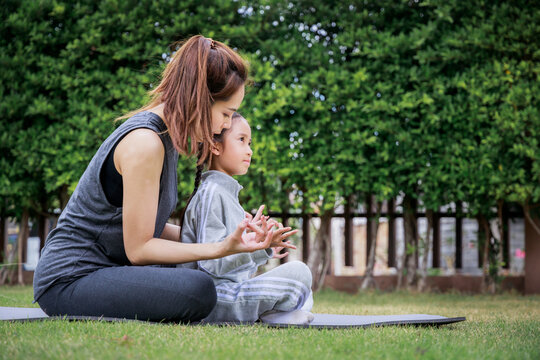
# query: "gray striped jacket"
[[213, 213]]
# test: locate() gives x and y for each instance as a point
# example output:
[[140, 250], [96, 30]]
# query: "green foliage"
[[434, 99]]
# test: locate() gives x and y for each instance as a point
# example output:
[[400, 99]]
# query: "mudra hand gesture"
[[279, 236], [256, 233]]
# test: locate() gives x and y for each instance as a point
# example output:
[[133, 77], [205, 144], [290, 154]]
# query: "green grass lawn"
[[497, 327]]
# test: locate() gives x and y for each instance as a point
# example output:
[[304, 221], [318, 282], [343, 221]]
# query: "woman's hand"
[[259, 237], [241, 241]]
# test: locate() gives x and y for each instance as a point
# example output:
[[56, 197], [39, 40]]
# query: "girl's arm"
[[139, 159], [171, 232]]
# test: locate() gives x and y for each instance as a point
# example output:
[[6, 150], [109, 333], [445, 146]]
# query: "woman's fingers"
[[241, 227]]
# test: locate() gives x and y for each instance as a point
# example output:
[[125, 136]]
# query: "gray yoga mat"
[[321, 321]]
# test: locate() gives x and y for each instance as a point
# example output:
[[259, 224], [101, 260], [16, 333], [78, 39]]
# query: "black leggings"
[[134, 292]]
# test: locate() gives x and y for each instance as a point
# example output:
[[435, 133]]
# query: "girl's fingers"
[[254, 228], [281, 256], [288, 245], [284, 229], [286, 235], [264, 225], [258, 214], [268, 241]]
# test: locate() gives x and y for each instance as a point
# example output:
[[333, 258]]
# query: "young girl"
[[213, 212]]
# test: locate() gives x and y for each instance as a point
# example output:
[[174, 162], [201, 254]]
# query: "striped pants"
[[284, 288]]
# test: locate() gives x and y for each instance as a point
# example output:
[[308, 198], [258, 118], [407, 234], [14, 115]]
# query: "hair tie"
[[212, 44]]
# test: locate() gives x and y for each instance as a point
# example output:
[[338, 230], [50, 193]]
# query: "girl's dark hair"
[[200, 73], [200, 166]]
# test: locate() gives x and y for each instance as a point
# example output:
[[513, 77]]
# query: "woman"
[[116, 220]]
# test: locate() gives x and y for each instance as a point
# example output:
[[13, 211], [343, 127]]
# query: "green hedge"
[[434, 99]]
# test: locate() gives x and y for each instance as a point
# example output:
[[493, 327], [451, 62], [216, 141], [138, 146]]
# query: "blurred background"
[[401, 137]]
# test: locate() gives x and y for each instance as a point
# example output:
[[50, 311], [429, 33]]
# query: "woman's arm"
[[139, 159]]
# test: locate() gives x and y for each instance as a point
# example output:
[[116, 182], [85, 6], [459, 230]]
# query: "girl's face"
[[222, 111], [233, 155]]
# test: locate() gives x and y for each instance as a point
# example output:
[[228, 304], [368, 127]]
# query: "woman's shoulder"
[[142, 142], [140, 149]]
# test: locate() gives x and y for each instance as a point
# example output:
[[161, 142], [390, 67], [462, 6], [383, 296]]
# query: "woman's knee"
[[204, 292]]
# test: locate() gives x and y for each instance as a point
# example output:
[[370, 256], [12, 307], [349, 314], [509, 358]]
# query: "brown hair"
[[200, 73], [219, 138]]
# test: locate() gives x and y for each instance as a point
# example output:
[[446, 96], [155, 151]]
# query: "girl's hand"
[[277, 255], [281, 234], [240, 241], [257, 219]]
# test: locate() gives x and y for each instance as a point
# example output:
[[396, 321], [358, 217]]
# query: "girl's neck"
[[216, 167]]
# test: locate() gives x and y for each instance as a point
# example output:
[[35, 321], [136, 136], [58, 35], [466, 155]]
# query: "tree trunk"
[[410, 255], [498, 256], [22, 240], [488, 283], [7, 269], [426, 246], [43, 230], [64, 198], [320, 252], [3, 237], [527, 214], [371, 237]]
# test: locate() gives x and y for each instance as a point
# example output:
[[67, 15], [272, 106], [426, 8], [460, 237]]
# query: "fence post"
[[459, 237], [349, 237], [390, 205], [3, 237], [436, 259], [532, 254], [305, 237], [505, 238], [369, 225]]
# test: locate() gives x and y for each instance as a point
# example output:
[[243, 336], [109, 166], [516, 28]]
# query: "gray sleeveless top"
[[88, 235]]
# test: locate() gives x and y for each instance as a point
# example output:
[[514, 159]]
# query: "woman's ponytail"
[[198, 175], [201, 72]]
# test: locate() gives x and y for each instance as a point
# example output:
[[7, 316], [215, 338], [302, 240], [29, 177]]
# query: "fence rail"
[[391, 216]]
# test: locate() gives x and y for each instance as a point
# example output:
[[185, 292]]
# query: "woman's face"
[[222, 111]]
